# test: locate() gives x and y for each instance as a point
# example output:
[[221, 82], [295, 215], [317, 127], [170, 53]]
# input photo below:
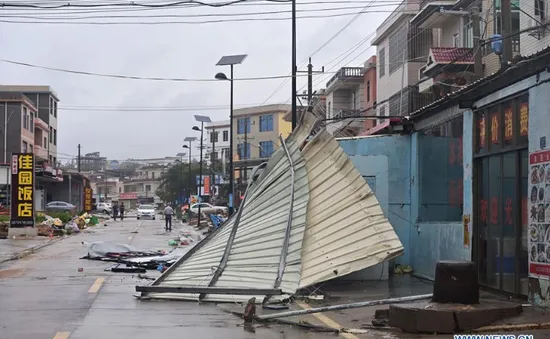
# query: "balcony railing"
[[41, 124], [345, 74]]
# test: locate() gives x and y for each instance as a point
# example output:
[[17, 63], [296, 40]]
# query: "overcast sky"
[[172, 51]]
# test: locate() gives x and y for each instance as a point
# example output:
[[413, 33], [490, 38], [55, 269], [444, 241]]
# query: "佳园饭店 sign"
[[22, 190], [88, 192]]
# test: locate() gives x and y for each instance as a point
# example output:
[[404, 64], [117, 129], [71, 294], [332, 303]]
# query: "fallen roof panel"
[[336, 227]]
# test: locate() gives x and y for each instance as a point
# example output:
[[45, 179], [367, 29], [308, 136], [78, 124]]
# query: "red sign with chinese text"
[[539, 157], [524, 119], [484, 206], [494, 210], [127, 196], [508, 124], [494, 128], [207, 186]]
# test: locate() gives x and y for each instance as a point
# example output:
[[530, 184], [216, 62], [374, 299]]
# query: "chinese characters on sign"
[[482, 132], [524, 119], [494, 128], [539, 216], [22, 190], [88, 193], [508, 124]]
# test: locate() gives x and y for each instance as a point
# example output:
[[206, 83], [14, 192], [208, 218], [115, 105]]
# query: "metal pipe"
[[294, 66], [231, 169], [346, 306]]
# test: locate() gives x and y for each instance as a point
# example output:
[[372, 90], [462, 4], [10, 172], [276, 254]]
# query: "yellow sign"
[[24, 210], [22, 193], [25, 193], [508, 124], [26, 162], [523, 119], [466, 223], [482, 132], [24, 178], [494, 128]]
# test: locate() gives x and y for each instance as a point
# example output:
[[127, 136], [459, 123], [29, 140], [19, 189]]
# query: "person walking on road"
[[168, 212], [115, 211], [122, 212]]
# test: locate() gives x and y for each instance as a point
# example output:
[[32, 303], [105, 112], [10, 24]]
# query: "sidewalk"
[[11, 248]]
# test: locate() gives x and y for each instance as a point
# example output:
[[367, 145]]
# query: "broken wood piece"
[[346, 306]]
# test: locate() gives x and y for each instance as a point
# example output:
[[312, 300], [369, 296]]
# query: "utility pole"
[[476, 30], [310, 72], [78, 161], [212, 160], [506, 21], [294, 67], [246, 151]]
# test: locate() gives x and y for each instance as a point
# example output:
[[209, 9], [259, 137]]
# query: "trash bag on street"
[[72, 226]]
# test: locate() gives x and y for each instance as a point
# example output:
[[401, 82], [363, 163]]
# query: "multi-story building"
[[151, 161], [369, 74], [45, 101], [256, 133], [217, 140], [143, 186], [532, 15], [93, 162]]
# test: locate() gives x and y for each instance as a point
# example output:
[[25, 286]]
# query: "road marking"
[[97, 285], [62, 335], [327, 321]]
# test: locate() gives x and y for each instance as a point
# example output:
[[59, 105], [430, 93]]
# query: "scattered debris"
[[250, 311], [141, 276], [118, 268], [402, 269]]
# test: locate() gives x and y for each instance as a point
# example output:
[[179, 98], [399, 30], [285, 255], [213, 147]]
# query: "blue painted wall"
[[388, 158]]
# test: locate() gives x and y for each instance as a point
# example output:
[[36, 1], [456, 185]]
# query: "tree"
[[175, 181]]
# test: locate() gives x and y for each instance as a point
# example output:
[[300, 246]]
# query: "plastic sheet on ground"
[[101, 248], [169, 257]]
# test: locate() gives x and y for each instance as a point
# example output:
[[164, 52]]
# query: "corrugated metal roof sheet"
[[348, 235]]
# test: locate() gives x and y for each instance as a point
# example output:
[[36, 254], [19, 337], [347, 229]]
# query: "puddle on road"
[[11, 273]]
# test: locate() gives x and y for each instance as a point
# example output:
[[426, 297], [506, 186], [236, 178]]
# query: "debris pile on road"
[[4, 227], [209, 221], [135, 261]]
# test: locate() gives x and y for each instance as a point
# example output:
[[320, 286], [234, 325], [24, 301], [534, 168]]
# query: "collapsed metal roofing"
[[308, 216]]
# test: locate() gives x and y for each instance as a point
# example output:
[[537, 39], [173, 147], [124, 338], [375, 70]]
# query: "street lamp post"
[[202, 119], [190, 140], [230, 60], [182, 184]]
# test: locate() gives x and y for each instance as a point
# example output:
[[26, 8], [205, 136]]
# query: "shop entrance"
[[500, 196]]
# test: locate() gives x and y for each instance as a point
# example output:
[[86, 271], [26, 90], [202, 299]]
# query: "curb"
[[31, 250]]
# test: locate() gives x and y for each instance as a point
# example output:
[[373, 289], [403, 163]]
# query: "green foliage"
[[4, 218], [39, 219], [63, 216]]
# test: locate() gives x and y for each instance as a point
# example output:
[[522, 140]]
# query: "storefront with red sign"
[[500, 223]]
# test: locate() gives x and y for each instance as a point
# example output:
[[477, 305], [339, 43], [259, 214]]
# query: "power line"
[[134, 77], [203, 22], [128, 4]]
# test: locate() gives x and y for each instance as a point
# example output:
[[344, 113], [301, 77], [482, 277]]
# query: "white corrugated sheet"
[[337, 225]]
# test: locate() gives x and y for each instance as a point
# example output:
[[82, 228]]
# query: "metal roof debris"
[[308, 216]]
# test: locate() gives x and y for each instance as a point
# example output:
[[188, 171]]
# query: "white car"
[[207, 208], [146, 211], [105, 208]]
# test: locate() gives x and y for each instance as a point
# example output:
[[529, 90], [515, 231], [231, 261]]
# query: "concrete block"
[[28, 232]]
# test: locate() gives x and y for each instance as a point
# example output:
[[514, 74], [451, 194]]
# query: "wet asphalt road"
[[44, 296]]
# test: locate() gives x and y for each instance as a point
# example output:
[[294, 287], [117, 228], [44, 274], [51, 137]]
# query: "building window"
[[55, 108], [441, 172], [25, 118], [31, 148], [382, 62], [31, 124], [25, 147], [368, 91], [243, 150], [55, 136], [51, 134], [266, 123], [398, 48], [214, 136], [266, 149], [468, 35], [153, 175], [147, 188], [243, 125], [225, 135], [45, 144]]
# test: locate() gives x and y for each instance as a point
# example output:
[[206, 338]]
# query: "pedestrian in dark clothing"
[[122, 211], [168, 212], [115, 211]]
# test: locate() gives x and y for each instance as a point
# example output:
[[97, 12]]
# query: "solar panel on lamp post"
[[230, 60], [202, 119]]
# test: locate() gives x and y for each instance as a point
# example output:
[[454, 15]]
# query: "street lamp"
[[182, 186], [190, 141], [230, 60], [202, 119]]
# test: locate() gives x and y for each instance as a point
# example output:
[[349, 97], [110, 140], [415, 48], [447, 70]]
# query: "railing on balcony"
[[346, 73]]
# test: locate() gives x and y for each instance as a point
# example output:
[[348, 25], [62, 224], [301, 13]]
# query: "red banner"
[[128, 196]]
